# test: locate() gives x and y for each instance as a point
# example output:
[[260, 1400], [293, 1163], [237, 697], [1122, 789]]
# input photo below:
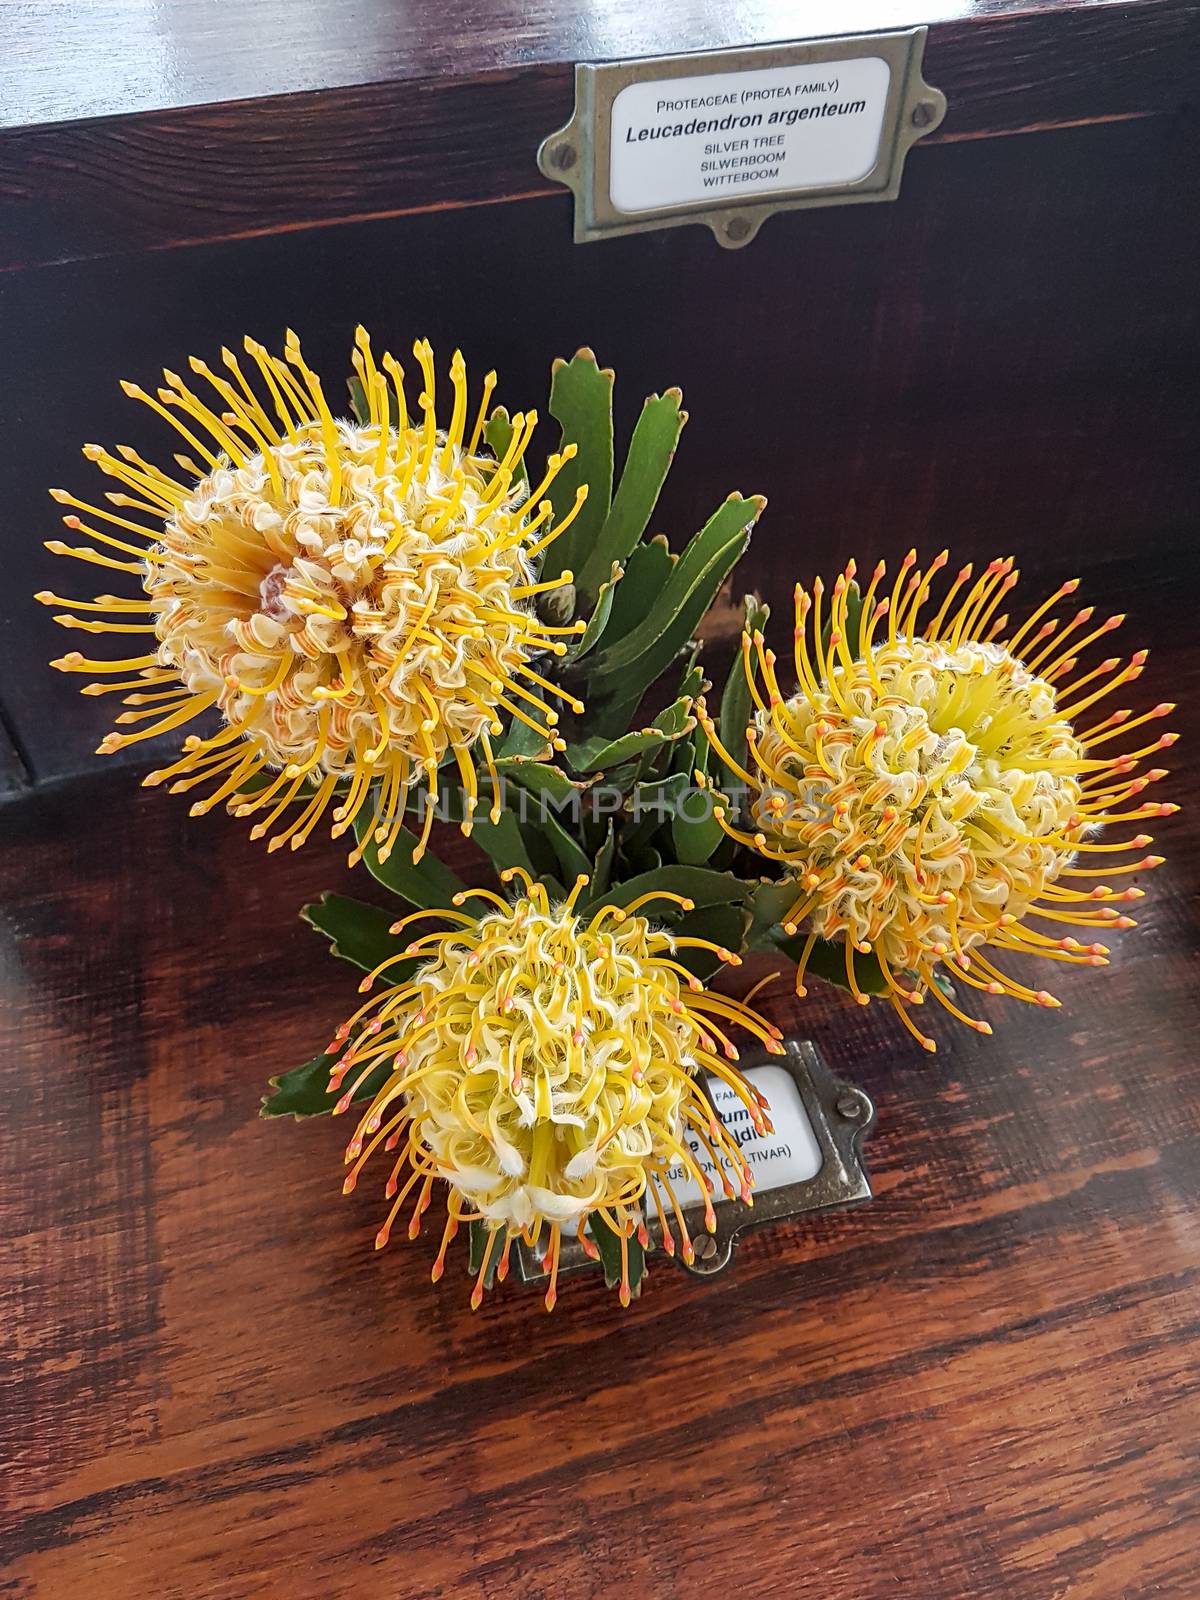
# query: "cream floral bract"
[[355, 600]]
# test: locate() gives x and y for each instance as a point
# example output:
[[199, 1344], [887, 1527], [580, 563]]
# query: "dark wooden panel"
[[446, 127], [14, 775], [983, 1384], [1006, 360], [63, 62]]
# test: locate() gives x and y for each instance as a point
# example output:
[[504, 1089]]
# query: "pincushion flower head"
[[545, 1065], [355, 600], [931, 790]]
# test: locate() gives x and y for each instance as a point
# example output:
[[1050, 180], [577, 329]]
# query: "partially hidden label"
[[746, 135], [790, 1154]]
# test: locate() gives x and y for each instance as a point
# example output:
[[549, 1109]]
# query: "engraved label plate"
[[811, 1162], [729, 137], [790, 1153]]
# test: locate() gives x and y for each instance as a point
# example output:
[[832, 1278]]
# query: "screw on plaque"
[[738, 228], [562, 157], [923, 114]]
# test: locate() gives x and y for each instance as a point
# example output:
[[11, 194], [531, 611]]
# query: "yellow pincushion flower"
[[355, 600], [928, 791], [545, 1065]]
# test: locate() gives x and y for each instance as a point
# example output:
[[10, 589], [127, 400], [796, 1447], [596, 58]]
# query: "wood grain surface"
[[983, 1384], [410, 108]]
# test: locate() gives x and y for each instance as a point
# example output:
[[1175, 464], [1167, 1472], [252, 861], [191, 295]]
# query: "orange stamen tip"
[[381, 1238], [476, 1297], [348, 1186], [437, 1270]]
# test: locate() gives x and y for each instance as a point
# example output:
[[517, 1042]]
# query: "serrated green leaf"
[[651, 450], [734, 717], [602, 869], [609, 1245], [675, 720], [497, 434], [689, 592], [581, 401], [595, 755], [598, 621], [549, 783], [646, 572], [304, 1092], [651, 806], [828, 961], [521, 742], [425, 883], [697, 575], [698, 884], [358, 932]]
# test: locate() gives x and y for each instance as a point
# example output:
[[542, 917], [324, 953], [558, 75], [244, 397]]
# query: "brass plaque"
[[809, 1162], [729, 137]]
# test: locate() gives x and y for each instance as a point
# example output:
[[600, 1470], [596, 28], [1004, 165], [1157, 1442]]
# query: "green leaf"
[[480, 1233], [594, 755], [571, 859], [828, 961], [651, 806], [720, 925], [646, 572], [695, 577], [602, 870], [304, 1092], [502, 841], [359, 409], [598, 620], [771, 902], [581, 401], [734, 716], [359, 932], [497, 434], [425, 883], [540, 778], [698, 884], [675, 720], [647, 463], [695, 831], [609, 1245], [521, 742]]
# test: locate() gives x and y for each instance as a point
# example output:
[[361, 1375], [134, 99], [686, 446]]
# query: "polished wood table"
[[981, 1384]]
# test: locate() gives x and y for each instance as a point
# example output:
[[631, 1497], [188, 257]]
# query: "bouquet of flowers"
[[379, 620]]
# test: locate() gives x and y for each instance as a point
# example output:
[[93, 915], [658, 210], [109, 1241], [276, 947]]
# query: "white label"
[[744, 135], [788, 1155]]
